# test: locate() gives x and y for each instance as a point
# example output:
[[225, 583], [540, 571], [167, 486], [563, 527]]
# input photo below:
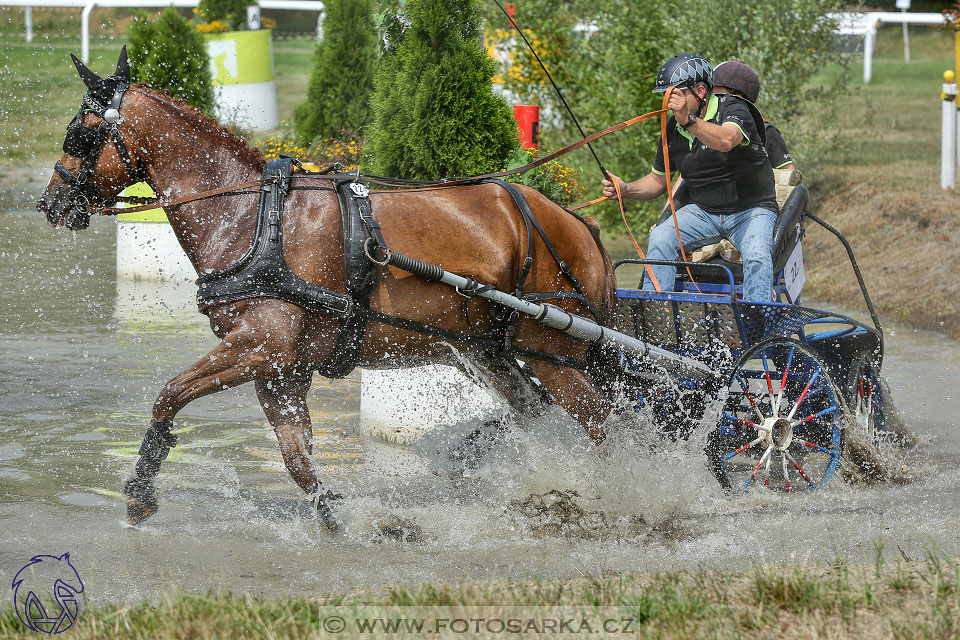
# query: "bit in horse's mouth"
[[72, 217]]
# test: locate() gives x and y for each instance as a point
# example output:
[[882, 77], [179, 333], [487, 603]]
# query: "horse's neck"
[[217, 231]]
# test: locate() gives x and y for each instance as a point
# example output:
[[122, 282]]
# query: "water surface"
[[83, 359]]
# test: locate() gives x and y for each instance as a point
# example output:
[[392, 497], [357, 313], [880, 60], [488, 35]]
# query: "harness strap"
[[565, 270], [413, 185]]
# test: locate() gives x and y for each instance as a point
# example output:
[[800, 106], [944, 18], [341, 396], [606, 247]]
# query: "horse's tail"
[[603, 362]]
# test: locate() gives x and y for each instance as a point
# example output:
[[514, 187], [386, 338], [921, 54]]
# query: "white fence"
[[88, 6], [866, 24]]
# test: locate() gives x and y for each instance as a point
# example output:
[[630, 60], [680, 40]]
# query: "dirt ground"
[[906, 241]]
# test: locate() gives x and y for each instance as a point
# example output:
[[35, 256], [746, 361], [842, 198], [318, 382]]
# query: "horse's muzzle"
[[60, 211]]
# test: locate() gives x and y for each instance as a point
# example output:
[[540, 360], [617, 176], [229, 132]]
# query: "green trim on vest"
[[713, 105]]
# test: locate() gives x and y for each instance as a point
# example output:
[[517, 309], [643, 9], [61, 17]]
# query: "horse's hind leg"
[[284, 401], [524, 398], [574, 391]]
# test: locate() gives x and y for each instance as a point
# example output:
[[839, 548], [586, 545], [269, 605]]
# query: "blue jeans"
[[750, 231]]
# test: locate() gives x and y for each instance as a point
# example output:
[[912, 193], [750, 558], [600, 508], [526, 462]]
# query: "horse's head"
[[89, 173]]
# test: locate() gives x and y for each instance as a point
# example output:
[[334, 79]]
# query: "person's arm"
[[648, 187], [720, 137], [777, 149]]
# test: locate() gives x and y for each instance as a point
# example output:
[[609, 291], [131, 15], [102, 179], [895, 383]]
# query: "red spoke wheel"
[[782, 423]]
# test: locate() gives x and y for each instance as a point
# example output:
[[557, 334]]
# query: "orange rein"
[[673, 207], [666, 168]]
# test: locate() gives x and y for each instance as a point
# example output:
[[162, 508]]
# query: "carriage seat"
[[792, 199]]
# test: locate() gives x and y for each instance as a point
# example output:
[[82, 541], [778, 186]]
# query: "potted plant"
[[241, 63]]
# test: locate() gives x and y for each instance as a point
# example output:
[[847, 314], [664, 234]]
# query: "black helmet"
[[738, 77], [684, 70]]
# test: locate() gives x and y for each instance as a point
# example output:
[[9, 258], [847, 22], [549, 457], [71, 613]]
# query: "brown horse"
[[127, 133]]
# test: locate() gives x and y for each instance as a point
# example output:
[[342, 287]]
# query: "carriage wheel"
[[866, 399], [782, 424], [871, 406]]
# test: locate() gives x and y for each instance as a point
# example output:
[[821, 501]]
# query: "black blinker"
[[79, 141], [123, 66]]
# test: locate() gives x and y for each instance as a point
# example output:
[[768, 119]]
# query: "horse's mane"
[[241, 149]]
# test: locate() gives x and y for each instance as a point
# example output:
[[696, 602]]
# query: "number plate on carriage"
[[793, 275]]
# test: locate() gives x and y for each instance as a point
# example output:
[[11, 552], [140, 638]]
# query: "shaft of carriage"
[[549, 315]]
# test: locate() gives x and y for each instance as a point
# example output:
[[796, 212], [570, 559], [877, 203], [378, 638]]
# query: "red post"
[[528, 121]]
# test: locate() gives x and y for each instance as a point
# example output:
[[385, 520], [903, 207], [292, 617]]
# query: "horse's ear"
[[123, 66], [89, 78]]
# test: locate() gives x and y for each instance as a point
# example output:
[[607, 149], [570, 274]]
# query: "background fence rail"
[[89, 5]]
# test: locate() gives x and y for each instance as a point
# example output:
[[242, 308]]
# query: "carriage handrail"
[[856, 271], [682, 263]]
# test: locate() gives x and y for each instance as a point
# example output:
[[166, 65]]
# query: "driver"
[[716, 142]]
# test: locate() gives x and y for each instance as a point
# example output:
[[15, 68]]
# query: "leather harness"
[[264, 272]]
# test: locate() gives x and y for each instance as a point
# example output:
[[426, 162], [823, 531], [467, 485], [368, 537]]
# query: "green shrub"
[[168, 53], [232, 12], [557, 181], [435, 114], [338, 93]]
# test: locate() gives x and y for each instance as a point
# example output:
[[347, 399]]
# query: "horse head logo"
[[46, 594]]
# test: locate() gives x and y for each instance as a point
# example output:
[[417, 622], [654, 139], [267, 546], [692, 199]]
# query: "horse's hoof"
[[141, 500], [138, 511], [325, 502]]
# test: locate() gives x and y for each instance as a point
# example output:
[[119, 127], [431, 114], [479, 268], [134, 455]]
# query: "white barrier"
[[865, 24], [88, 6], [948, 142]]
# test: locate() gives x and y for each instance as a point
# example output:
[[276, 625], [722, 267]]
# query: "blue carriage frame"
[[841, 364]]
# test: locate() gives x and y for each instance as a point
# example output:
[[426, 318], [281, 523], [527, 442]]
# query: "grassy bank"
[[903, 600], [881, 189]]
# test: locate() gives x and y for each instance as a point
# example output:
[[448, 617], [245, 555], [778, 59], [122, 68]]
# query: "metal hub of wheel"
[[777, 433], [782, 422]]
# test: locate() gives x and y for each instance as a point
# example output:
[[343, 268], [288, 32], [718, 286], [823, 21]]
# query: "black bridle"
[[87, 144]]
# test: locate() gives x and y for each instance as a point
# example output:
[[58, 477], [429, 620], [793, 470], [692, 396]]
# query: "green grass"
[[42, 90], [783, 601]]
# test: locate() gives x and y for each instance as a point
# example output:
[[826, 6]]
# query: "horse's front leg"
[[284, 401], [244, 354]]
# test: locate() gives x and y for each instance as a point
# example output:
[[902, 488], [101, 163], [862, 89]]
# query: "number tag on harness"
[[793, 275], [359, 190]]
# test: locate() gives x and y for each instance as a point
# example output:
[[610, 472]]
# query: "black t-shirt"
[[722, 182], [776, 148]]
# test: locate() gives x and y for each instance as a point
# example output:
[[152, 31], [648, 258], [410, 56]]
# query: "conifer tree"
[[338, 94], [168, 53], [435, 114]]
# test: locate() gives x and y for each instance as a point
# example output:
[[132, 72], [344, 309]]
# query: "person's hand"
[[678, 104], [609, 191]]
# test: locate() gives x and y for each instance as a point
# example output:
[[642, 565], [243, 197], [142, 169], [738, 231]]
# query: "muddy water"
[[82, 362]]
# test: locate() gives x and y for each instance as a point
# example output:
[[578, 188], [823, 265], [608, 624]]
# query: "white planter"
[[245, 94], [402, 405]]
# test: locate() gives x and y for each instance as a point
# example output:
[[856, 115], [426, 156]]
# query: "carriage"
[[796, 377]]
